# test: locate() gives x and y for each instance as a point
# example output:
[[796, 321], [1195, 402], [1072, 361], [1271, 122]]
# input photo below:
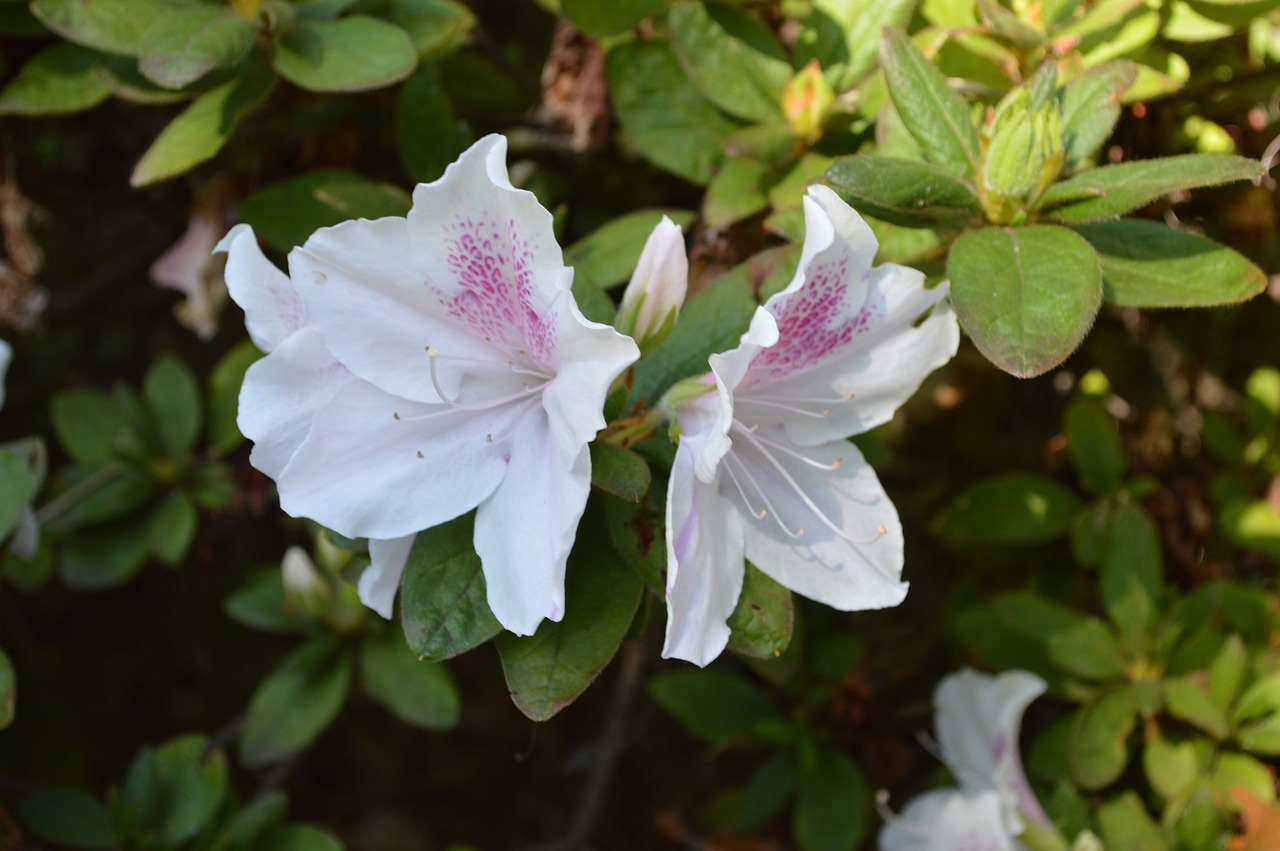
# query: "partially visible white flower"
[[421, 367], [6, 357], [190, 267], [978, 718], [305, 589], [656, 292], [762, 468]]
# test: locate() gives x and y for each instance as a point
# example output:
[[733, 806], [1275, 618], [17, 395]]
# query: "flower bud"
[[806, 99], [657, 288], [1024, 149], [305, 590]]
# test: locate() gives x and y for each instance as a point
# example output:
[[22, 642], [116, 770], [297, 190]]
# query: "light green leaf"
[[418, 693], [932, 111], [853, 28], [173, 399], [443, 600], [1099, 735], [200, 130], [831, 808], [736, 192], [1146, 264], [1027, 296], [120, 76], [1237, 769], [1172, 768], [1016, 508], [1113, 190], [608, 255], [761, 622], [1252, 523], [1124, 823], [429, 136], [113, 26], [1087, 649], [1132, 572], [57, 81], [187, 42], [318, 55], [1090, 109], [904, 192], [22, 467], [667, 120], [731, 59], [296, 702], [1227, 672], [69, 818], [173, 791], [1187, 700], [714, 705]]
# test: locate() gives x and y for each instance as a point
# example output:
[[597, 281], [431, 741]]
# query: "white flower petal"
[[360, 473], [704, 564], [659, 283], [796, 540], [525, 530], [281, 394], [978, 718], [381, 579], [272, 309], [838, 247], [949, 820], [6, 357]]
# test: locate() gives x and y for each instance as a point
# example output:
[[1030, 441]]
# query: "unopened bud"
[[305, 590], [657, 289], [1024, 149], [806, 99]]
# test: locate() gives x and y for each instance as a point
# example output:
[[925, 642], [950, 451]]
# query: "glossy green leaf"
[[619, 471], [443, 599], [1016, 508], [1026, 296], [113, 26], [187, 42], [548, 670], [317, 55], [608, 255], [22, 468], [731, 60], [434, 26], [1099, 734], [910, 193], [1147, 264], [936, 116], [666, 119], [173, 791], [57, 81], [296, 702], [1113, 190], [599, 18], [199, 131], [761, 622], [638, 535], [1090, 109], [418, 693], [715, 706], [430, 137], [173, 399], [831, 807], [1095, 447], [69, 818]]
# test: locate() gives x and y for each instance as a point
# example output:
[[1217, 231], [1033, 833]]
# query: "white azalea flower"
[[421, 367], [188, 268], [763, 469], [978, 718], [656, 291], [6, 355]]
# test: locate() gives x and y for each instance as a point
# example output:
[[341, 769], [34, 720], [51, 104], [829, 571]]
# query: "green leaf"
[[1261, 698], [58, 81], [731, 59], [199, 131], [418, 693], [932, 111], [66, 817], [1090, 109], [259, 603], [910, 193], [761, 622], [608, 255], [317, 55], [187, 42], [1132, 573], [851, 29], [296, 702], [22, 466], [265, 812], [171, 528], [831, 808], [1227, 672], [297, 837], [224, 395], [713, 705], [1087, 649], [429, 136], [1096, 451], [102, 494], [598, 18], [1253, 524], [284, 214], [113, 26], [771, 788], [638, 535], [547, 671], [87, 424], [173, 398], [172, 792], [434, 26], [619, 471], [1027, 296], [8, 691], [1015, 631], [1146, 264], [1098, 738], [1261, 737], [120, 76], [736, 192], [1016, 508], [1187, 700], [1009, 26], [104, 555], [663, 115], [1124, 823], [443, 601], [1113, 190], [1235, 769], [1171, 768]]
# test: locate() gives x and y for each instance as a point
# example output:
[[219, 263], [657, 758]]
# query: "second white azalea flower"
[[763, 470], [421, 367]]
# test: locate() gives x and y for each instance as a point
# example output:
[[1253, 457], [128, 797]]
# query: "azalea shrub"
[[684, 424]]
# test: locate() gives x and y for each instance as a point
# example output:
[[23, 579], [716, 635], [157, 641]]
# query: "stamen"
[[769, 403], [768, 506], [759, 515], [485, 406], [794, 454]]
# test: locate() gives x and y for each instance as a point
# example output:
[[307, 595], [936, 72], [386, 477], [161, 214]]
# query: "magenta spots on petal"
[[814, 322], [491, 264]]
